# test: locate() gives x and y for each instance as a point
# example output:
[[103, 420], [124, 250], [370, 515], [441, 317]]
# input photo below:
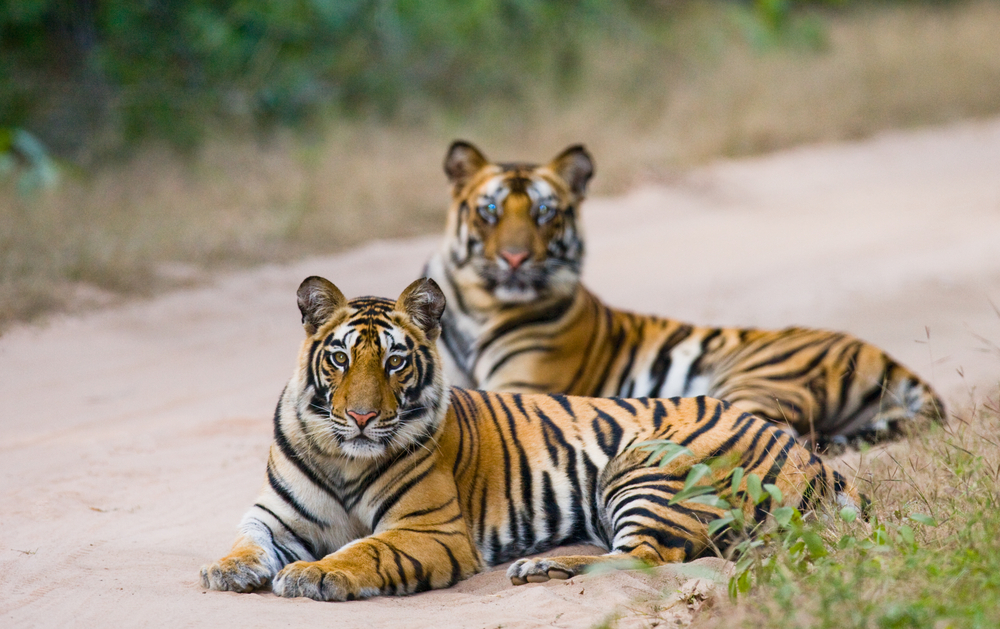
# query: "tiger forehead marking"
[[369, 327], [496, 189]]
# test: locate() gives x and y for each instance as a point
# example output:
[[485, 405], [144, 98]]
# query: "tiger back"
[[519, 319], [382, 480]]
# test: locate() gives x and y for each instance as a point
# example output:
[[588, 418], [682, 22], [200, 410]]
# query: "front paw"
[[312, 580], [537, 571], [235, 573]]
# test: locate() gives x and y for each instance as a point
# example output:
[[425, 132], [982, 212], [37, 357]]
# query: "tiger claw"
[[537, 571]]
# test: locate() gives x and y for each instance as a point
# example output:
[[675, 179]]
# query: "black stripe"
[[661, 364], [527, 495], [286, 495], [456, 568], [709, 425], [508, 480], [391, 501], [506, 357], [550, 506], [607, 431], [302, 542], [550, 313], [695, 368], [289, 452]]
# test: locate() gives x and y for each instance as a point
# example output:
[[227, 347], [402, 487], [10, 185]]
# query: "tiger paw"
[[235, 573], [312, 580], [538, 571]]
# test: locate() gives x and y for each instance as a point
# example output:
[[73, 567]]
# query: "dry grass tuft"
[[645, 110]]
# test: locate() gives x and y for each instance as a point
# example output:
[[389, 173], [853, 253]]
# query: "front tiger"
[[381, 480]]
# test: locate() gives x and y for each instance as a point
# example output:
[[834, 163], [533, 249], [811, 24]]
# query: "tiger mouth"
[[525, 279]]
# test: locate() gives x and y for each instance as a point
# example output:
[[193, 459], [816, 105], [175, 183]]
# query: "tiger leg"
[[258, 553], [414, 549], [392, 562], [639, 525]]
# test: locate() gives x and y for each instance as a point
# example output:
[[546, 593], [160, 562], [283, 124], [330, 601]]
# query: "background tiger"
[[382, 481], [518, 319]]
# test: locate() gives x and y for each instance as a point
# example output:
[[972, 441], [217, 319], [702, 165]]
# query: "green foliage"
[[904, 567], [170, 66]]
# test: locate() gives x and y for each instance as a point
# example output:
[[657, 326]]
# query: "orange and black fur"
[[381, 480], [518, 319]]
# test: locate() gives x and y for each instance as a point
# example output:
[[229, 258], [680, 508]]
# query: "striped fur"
[[441, 482], [518, 319]]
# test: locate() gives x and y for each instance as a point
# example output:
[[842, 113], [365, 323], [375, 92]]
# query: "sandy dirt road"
[[133, 439]]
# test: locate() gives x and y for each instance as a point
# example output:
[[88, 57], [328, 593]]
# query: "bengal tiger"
[[381, 480], [519, 319]]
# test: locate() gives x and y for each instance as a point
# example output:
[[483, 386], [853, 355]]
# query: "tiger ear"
[[576, 167], [424, 302], [462, 162], [318, 300]]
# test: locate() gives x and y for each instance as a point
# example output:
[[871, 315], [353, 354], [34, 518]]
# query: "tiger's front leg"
[[244, 569], [421, 543], [257, 555], [391, 562]]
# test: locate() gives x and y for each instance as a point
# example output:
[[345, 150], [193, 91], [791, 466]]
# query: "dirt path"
[[133, 439]]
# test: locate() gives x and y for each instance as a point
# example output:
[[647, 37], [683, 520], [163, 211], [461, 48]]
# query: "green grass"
[[929, 557]]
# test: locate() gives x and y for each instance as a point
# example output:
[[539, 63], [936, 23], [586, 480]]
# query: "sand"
[[134, 438]]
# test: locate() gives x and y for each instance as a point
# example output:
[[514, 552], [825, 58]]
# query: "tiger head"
[[512, 228], [369, 371]]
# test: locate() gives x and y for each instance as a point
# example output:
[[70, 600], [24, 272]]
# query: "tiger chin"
[[381, 480], [519, 319]]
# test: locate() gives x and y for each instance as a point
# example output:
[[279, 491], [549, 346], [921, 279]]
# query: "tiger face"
[[369, 368], [513, 230]]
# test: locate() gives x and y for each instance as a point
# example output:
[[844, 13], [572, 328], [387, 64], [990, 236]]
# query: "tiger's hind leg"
[[638, 524]]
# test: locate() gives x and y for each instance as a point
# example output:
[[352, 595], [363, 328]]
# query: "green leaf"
[[697, 472], [754, 489], [687, 494], [711, 500], [783, 516], [738, 517], [814, 543], [663, 451], [775, 493], [920, 518], [879, 536], [848, 514], [715, 525], [906, 533], [737, 479]]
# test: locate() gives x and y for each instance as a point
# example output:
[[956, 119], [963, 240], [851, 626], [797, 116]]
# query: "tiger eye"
[[395, 361], [340, 358]]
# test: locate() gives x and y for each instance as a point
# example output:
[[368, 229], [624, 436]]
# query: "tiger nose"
[[514, 258], [362, 418]]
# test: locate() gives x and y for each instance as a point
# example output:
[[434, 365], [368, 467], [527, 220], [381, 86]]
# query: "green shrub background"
[[168, 68]]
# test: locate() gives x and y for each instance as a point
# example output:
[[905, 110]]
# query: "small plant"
[[788, 542]]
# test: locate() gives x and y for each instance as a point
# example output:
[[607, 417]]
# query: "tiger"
[[519, 319], [382, 480]]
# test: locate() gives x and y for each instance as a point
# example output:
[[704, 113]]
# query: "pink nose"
[[514, 258], [362, 418]]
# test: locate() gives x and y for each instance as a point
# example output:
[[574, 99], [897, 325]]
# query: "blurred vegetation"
[[312, 125], [118, 70]]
